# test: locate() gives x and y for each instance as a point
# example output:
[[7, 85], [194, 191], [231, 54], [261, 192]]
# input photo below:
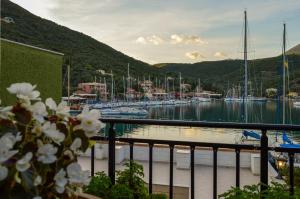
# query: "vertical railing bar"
[[131, 151], [291, 173], [111, 152], [150, 167], [264, 160], [237, 167], [93, 160], [171, 171], [215, 172], [192, 172]]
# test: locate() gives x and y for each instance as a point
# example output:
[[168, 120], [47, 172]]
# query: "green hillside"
[[88, 54], [220, 74]]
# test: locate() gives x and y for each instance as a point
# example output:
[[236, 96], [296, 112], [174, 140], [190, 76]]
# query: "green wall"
[[20, 63]]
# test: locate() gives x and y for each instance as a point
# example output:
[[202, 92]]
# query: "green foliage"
[[121, 191], [129, 184], [285, 173], [24, 64], [132, 177], [99, 185], [274, 191]]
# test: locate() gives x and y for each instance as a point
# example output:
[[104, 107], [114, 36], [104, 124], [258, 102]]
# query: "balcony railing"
[[263, 148]]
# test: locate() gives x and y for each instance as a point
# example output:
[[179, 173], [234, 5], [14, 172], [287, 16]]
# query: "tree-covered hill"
[[87, 54], [224, 73]]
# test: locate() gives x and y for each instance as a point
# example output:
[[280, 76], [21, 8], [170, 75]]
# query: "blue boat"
[[252, 134]]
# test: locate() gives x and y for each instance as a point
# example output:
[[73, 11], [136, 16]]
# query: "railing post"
[[93, 160], [111, 152], [291, 173], [215, 172], [171, 171], [192, 148], [150, 167], [264, 160], [237, 167]]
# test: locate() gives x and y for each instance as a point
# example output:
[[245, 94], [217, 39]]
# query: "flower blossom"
[[60, 181], [46, 153], [61, 110], [5, 112], [39, 111], [3, 172], [24, 163], [37, 180], [51, 131], [7, 141], [76, 175], [24, 91], [90, 121], [76, 144]]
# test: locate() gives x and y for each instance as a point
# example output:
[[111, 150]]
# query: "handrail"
[[263, 148], [231, 125]]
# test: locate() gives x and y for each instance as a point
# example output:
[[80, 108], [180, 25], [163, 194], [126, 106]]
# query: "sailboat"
[[286, 141]]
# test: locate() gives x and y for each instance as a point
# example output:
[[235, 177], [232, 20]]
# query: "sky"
[[185, 31]]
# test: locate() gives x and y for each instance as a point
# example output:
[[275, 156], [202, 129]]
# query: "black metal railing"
[[263, 148]]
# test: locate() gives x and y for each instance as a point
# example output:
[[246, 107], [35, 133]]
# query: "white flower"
[[60, 181], [24, 91], [51, 131], [76, 144], [46, 153], [37, 180], [51, 104], [37, 129], [7, 141], [39, 111], [61, 110], [3, 172], [5, 112], [90, 121], [76, 175], [24, 163]]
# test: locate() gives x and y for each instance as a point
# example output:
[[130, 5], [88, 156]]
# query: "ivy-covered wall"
[[21, 63]]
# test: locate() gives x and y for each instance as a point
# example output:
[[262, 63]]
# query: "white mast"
[[180, 94], [284, 73], [246, 68]]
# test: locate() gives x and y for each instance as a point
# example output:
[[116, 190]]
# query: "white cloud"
[[141, 40], [220, 55], [186, 39], [194, 55], [153, 39]]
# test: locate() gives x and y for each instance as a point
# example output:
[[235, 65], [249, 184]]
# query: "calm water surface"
[[219, 111]]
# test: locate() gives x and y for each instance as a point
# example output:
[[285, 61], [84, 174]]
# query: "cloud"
[[141, 40], [220, 55], [194, 55], [153, 39], [186, 39]]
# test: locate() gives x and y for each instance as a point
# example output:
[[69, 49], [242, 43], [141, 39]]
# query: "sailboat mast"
[[246, 67], [284, 71], [180, 95]]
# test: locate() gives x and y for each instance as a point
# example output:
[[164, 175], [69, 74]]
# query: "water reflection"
[[207, 111]]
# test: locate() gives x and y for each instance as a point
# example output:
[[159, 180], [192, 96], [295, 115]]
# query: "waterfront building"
[[93, 88]]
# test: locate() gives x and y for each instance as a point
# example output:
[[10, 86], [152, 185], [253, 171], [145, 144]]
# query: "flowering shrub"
[[39, 144]]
